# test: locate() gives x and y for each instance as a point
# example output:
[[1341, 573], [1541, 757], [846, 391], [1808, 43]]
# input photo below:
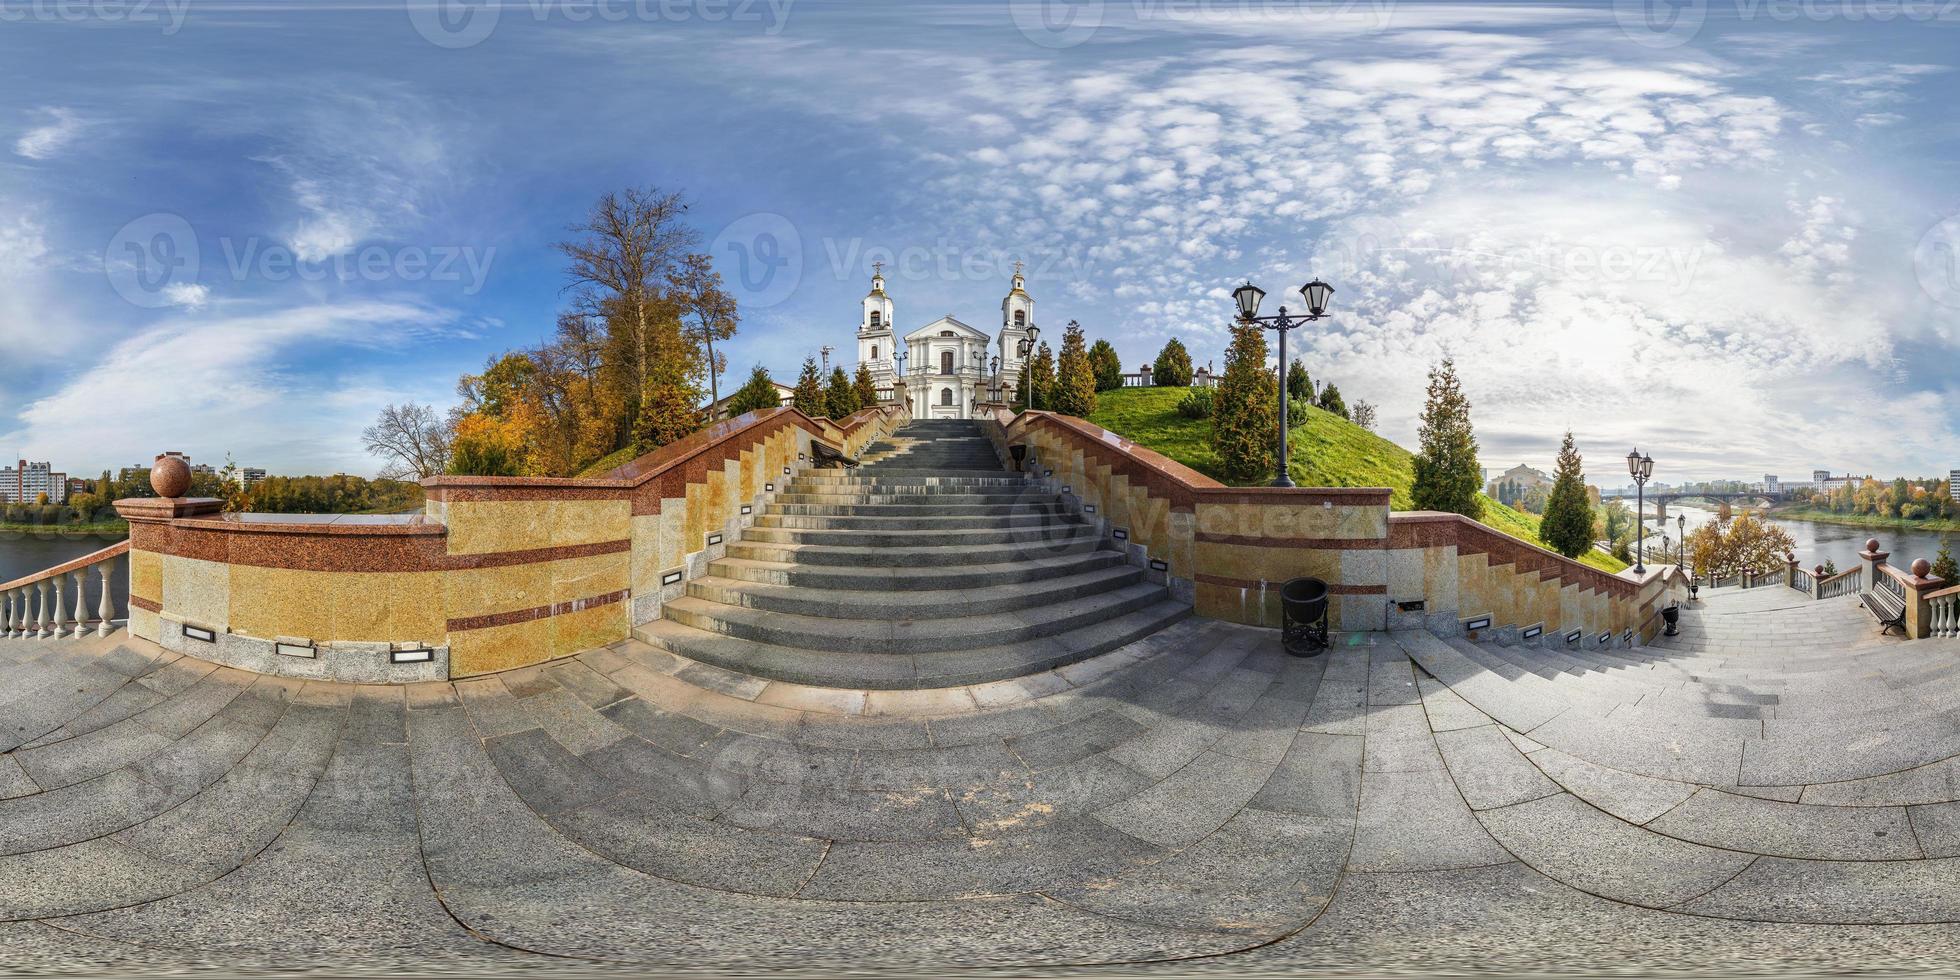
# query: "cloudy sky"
[[1727, 231]]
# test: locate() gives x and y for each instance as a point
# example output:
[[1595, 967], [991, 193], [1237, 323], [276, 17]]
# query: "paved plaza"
[[1773, 790]]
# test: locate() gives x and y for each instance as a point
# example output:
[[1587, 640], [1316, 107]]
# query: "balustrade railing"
[[37, 605], [1802, 581], [1944, 607], [1892, 585], [1842, 584]]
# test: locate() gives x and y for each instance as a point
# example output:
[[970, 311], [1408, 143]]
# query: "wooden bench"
[[1888, 609]]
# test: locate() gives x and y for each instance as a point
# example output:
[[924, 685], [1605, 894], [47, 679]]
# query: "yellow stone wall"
[[332, 607]]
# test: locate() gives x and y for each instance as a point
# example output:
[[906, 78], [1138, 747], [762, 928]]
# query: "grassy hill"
[[1327, 451]]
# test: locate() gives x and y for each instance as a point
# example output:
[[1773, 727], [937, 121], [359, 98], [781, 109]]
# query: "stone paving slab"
[[1396, 803]]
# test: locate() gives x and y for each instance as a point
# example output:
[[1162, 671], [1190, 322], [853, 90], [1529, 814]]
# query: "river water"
[[1818, 543], [25, 554]]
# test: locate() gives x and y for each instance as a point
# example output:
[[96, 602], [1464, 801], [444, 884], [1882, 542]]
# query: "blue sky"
[[1728, 232]]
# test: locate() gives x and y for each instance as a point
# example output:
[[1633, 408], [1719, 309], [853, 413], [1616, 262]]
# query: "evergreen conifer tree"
[[1245, 419], [809, 398], [1108, 367], [840, 399], [1173, 367], [1075, 381], [1446, 472], [757, 392], [1568, 524], [1041, 378], [1298, 384], [866, 387], [1330, 401], [1944, 567]]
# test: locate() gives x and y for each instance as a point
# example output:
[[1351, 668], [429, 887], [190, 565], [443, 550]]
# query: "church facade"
[[948, 364]]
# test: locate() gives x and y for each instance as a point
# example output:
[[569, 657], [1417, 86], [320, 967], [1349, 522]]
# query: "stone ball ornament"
[[1820, 571], [170, 476], [1871, 545], [1922, 568]]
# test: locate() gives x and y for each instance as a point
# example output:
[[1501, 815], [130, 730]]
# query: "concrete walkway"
[[1774, 789]]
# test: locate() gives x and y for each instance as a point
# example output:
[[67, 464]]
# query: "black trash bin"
[[1303, 622]]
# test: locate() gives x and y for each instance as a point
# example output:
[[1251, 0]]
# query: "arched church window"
[[876, 317], [946, 362], [1020, 318], [946, 396], [874, 347]]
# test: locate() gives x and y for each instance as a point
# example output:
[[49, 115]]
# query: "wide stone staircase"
[[927, 566]]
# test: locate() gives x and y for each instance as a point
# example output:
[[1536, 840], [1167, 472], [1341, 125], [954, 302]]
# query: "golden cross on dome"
[[1017, 268], [878, 268]]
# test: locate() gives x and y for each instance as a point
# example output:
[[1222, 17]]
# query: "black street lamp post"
[[1248, 296], [995, 364], [1681, 521], [1640, 468], [1025, 347]]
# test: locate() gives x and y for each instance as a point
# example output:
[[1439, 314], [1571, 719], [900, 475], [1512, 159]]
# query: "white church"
[[948, 365]]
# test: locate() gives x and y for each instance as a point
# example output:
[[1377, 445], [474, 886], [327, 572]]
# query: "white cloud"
[[358, 167], [43, 142], [189, 295], [215, 384]]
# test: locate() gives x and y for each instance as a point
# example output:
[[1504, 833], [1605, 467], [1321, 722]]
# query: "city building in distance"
[[25, 482]]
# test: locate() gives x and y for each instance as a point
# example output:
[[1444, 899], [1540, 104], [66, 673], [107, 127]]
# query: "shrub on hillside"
[[1197, 404]]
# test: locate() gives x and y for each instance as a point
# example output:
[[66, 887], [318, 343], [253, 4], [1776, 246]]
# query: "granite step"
[[931, 499], [872, 671], [913, 604], [892, 580], [919, 522], [891, 635], [1054, 531]]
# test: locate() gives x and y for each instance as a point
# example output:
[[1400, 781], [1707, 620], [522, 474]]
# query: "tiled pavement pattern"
[[1774, 789]]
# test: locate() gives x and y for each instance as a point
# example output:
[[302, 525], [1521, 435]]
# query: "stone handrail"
[[1893, 580], [1225, 549], [497, 572], [1841, 584], [19, 616], [1229, 549]]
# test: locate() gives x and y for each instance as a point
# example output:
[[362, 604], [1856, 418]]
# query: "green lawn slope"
[[1327, 451]]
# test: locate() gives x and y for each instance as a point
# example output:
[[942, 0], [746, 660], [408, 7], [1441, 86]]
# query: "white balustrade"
[[105, 611], [47, 610], [1945, 608], [37, 606]]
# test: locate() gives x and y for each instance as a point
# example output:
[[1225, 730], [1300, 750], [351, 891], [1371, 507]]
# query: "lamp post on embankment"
[[1640, 468], [1249, 296]]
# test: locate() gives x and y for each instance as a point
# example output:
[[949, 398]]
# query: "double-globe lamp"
[[1640, 468], [1249, 296]]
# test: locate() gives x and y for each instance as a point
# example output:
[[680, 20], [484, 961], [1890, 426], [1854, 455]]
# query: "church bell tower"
[[875, 336], [1016, 316]]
